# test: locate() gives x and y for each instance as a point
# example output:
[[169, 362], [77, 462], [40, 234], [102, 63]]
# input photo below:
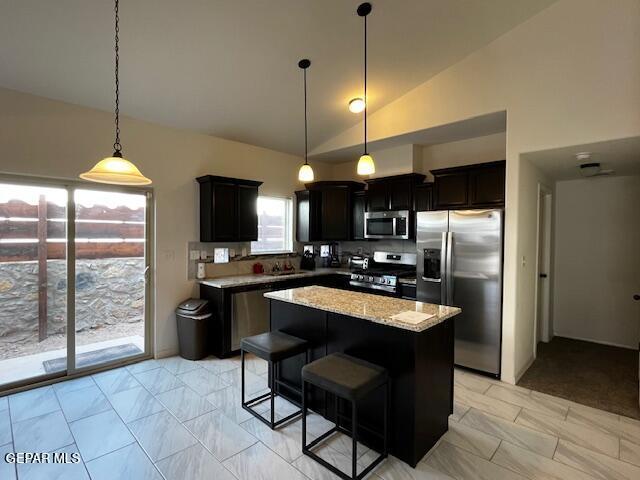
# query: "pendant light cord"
[[304, 70], [365, 85], [116, 145]]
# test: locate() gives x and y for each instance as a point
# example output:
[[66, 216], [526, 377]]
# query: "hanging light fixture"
[[305, 174], [116, 169], [366, 166]]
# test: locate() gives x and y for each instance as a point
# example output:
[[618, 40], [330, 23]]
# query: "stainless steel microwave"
[[393, 225]]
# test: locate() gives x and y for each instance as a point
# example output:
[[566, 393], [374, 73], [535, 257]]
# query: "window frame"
[[288, 223]]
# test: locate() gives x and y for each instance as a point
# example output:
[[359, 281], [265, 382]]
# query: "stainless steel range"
[[382, 271]]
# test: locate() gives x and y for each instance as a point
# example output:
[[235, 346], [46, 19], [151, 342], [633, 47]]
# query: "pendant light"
[[116, 169], [305, 174], [365, 164]]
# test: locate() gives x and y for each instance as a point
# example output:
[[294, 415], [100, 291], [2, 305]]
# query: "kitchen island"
[[413, 340]]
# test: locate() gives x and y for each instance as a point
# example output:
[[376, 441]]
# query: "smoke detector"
[[589, 168]]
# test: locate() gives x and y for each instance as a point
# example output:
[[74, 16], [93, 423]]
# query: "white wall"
[[597, 260], [49, 138], [567, 76]]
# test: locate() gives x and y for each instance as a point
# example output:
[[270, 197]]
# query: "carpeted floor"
[[596, 375]]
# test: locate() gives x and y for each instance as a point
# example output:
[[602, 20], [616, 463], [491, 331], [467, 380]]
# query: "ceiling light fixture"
[[356, 105], [305, 174], [116, 169], [366, 166]]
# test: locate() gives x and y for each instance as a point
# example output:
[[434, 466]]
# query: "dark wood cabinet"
[[228, 209], [452, 190], [377, 200], [358, 207], [324, 211], [470, 186], [423, 197], [336, 213], [308, 216], [392, 193], [247, 213], [487, 186]]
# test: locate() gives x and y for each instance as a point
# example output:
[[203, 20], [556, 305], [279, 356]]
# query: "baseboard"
[[591, 340], [169, 352], [524, 369]]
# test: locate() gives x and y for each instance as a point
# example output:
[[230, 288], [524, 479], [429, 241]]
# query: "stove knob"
[[384, 280], [371, 279], [360, 277]]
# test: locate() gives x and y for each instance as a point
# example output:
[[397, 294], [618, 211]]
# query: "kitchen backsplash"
[[240, 262]]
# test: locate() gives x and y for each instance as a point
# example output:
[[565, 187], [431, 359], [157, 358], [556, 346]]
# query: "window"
[[275, 226]]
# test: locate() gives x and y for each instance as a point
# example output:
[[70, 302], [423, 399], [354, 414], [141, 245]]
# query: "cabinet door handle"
[[636, 297], [543, 275]]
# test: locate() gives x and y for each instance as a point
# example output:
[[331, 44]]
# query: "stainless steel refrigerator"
[[460, 263]]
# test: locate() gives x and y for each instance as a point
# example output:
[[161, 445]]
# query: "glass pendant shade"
[[366, 165], [115, 170], [305, 174]]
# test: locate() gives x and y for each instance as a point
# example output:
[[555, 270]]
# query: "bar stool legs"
[[306, 449], [270, 395]]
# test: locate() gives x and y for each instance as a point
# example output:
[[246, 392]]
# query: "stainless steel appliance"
[[394, 225], [382, 271], [249, 315], [460, 263]]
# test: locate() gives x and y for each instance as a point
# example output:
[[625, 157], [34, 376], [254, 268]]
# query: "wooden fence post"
[[42, 268]]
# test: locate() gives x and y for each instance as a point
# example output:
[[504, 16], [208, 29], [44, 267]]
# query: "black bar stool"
[[272, 347], [349, 378]]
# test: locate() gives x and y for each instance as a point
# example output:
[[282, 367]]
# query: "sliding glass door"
[[74, 279], [33, 282], [110, 267]]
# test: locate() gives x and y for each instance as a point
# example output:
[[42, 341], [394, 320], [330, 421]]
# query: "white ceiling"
[[229, 67], [622, 156]]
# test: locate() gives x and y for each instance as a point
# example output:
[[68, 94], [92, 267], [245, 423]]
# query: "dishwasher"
[[249, 315]]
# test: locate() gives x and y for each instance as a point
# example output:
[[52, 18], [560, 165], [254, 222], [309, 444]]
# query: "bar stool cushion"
[[344, 375], [273, 346]]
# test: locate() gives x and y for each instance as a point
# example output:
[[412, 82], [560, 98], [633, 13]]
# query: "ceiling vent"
[[590, 169]]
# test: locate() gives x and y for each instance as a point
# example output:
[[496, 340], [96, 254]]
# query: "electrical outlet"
[[194, 255], [232, 252]]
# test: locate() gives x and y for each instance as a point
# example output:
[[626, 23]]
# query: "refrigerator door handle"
[[432, 280], [444, 271], [449, 267]]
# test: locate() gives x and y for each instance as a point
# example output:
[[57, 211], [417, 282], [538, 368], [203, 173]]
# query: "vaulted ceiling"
[[229, 67]]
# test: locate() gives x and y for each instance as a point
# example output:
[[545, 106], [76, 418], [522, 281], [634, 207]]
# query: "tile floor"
[[176, 419]]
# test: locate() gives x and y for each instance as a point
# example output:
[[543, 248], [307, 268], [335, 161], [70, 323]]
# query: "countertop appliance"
[[382, 271], [392, 225], [307, 262], [459, 255]]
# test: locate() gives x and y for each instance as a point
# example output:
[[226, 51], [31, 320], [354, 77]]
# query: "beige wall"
[[463, 152], [597, 263], [53, 139], [421, 159], [567, 76]]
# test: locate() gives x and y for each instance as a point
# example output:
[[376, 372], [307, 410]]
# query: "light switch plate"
[[221, 255]]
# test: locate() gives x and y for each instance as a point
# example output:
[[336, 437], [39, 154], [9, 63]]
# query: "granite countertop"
[[376, 308], [257, 279]]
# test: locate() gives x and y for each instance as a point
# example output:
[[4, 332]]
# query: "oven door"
[[386, 225]]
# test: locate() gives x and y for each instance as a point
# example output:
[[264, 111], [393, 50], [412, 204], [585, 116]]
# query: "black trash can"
[[194, 318]]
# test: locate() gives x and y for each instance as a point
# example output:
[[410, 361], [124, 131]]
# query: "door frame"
[[544, 227], [71, 371]]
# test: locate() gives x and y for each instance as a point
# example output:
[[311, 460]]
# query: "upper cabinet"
[[392, 193], [470, 186], [325, 212], [358, 207], [228, 209], [423, 197]]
